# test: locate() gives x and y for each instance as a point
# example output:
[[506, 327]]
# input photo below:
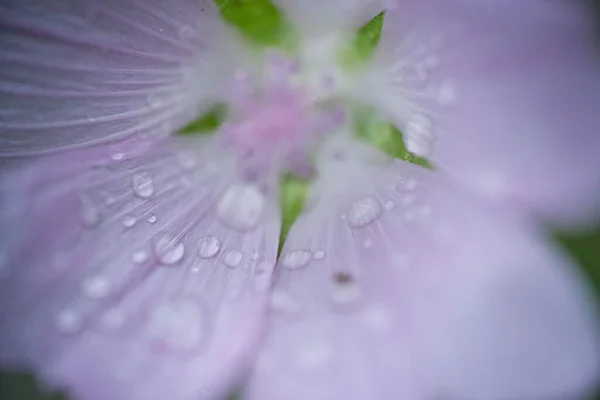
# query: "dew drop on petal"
[[209, 247], [178, 324], [241, 206], [129, 221], [142, 185], [152, 219], [319, 255], [232, 258], [296, 259], [344, 289], [95, 287], [262, 276], [168, 250], [364, 212], [68, 322], [389, 205], [139, 256]]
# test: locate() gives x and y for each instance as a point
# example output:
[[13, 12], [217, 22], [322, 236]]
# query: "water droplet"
[[129, 221], [168, 249], [209, 247], [178, 325], [95, 287], [411, 184], [139, 256], [152, 219], [296, 259], [419, 135], [186, 160], [262, 276], [90, 215], [143, 185], [390, 205], [241, 207], [319, 255], [283, 302], [232, 258], [254, 255], [344, 288], [117, 156], [68, 322], [368, 242], [364, 212], [154, 101]]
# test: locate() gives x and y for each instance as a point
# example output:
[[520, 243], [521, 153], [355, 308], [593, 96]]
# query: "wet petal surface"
[[131, 275], [391, 285]]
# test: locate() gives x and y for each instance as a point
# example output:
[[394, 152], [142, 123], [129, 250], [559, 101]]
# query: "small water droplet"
[[68, 322], [117, 156], [95, 287], [178, 325], [168, 249], [90, 215], [368, 242], [283, 302], [254, 255], [154, 100], [232, 258], [142, 185], [411, 184], [152, 219], [139, 256], [187, 160], [364, 212], [129, 221], [209, 247], [319, 255], [446, 93], [390, 205], [241, 207], [296, 259], [344, 288]]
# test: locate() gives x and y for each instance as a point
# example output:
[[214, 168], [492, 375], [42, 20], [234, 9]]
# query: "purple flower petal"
[[125, 280], [78, 72], [392, 285], [503, 97]]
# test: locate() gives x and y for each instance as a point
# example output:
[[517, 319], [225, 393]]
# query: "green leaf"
[[259, 21], [210, 121], [293, 193], [385, 136], [364, 43]]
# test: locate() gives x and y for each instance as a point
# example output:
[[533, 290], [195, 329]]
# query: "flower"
[[139, 263]]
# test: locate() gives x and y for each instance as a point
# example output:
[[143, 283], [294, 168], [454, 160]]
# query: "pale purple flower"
[[139, 264]]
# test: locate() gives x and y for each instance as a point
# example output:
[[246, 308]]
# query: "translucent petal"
[[78, 72], [125, 276], [500, 96], [394, 285]]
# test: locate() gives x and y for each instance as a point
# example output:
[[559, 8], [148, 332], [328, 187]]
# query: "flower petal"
[[393, 285], [77, 72], [139, 274], [503, 97]]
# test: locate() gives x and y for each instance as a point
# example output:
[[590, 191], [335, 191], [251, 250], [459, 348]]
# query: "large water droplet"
[[90, 215], [68, 322], [344, 289], [364, 212], [209, 247], [296, 259], [168, 249], [232, 258], [142, 185], [241, 207], [178, 325], [95, 287]]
